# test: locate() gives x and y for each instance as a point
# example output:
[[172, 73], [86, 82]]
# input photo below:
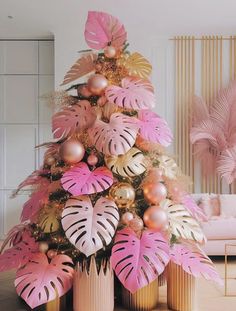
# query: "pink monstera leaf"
[[192, 207], [73, 119], [34, 204], [19, 254], [40, 281], [154, 128], [102, 29], [138, 262], [226, 165], [14, 236], [89, 227], [80, 180], [193, 260], [116, 137], [134, 93]]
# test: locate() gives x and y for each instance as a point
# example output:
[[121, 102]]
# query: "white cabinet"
[[26, 75]]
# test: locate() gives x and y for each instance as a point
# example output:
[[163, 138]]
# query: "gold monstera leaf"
[[131, 164], [169, 166], [136, 65], [48, 221], [182, 225]]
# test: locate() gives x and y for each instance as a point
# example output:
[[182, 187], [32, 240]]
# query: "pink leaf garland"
[[194, 262], [88, 227], [116, 137], [153, 128], [73, 119], [102, 29], [80, 180], [138, 262], [134, 93], [19, 254], [40, 281]]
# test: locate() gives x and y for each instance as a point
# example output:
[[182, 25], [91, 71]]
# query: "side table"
[[227, 246]]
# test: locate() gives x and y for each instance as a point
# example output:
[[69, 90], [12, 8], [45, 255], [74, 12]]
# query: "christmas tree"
[[107, 187]]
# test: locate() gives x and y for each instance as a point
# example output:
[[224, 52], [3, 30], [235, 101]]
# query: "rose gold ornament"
[[50, 161], [155, 218], [126, 218], [123, 194], [43, 247], [98, 67], [136, 224], [155, 174], [84, 91], [51, 253], [72, 151], [154, 192], [92, 159], [110, 51], [97, 83]]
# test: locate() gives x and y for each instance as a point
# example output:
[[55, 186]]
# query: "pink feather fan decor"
[[214, 133]]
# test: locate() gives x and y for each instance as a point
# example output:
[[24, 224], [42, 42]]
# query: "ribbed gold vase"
[[180, 289], [93, 290], [59, 304], [144, 299]]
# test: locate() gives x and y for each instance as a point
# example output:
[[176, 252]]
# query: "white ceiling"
[[43, 18]]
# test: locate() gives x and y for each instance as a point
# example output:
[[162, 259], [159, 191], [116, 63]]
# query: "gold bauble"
[[97, 83], [123, 194]]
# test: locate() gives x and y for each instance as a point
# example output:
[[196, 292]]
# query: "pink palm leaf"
[[153, 128], [192, 207], [226, 165], [116, 137], [14, 236], [134, 93], [73, 119], [138, 262], [39, 281], [102, 29], [80, 180], [194, 261], [19, 254]]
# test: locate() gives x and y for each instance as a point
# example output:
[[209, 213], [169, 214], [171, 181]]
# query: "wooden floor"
[[209, 296]]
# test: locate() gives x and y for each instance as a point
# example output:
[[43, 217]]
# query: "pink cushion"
[[228, 205], [220, 228]]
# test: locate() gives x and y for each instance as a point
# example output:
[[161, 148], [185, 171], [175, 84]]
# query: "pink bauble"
[[97, 83], [154, 192], [51, 253], [126, 218], [72, 151], [136, 224], [155, 218], [92, 159], [110, 51]]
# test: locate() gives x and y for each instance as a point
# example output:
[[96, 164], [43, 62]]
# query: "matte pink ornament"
[[136, 224], [92, 159], [102, 29], [80, 180], [97, 224], [73, 119], [72, 151], [155, 218], [126, 218], [97, 84], [116, 137], [154, 192], [34, 281], [150, 253], [194, 261], [19, 254], [153, 128], [134, 93]]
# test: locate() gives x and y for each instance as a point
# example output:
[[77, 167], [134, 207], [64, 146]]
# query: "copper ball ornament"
[[126, 218], [92, 159], [136, 224], [43, 247], [155, 218], [97, 83], [72, 151], [123, 194], [154, 192], [110, 51]]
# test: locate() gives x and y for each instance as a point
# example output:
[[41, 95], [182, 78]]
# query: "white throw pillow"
[[228, 205]]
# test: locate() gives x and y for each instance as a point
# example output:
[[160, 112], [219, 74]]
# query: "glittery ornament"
[[72, 151], [123, 194], [155, 218]]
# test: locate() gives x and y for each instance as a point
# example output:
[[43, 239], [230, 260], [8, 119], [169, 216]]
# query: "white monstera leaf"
[[90, 228]]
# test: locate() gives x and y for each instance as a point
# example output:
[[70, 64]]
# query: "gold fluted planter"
[[180, 289], [162, 278], [58, 304], [144, 299], [93, 290]]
